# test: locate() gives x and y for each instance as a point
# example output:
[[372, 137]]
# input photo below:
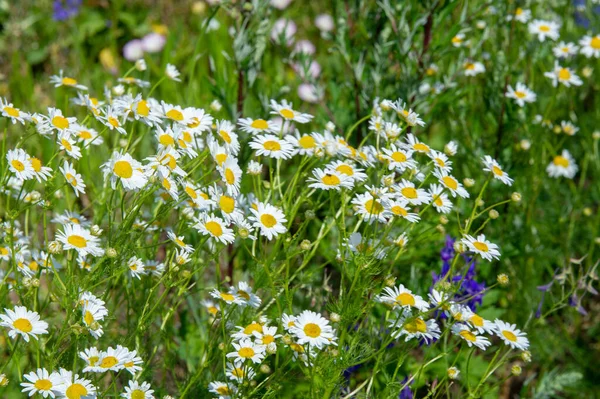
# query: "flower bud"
[[587, 71], [453, 373], [309, 214], [443, 219], [35, 283], [265, 369], [95, 230], [305, 245], [525, 145], [516, 370], [334, 317], [459, 247], [468, 182], [185, 274], [441, 229], [3, 380], [215, 106], [287, 339], [503, 279], [111, 253], [55, 247], [526, 356], [221, 346], [516, 197], [26, 282], [587, 211], [480, 202], [493, 214], [330, 126], [140, 65], [451, 148], [390, 281], [243, 232]]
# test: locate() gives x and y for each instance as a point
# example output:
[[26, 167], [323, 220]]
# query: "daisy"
[[131, 361], [481, 246], [415, 196], [112, 359], [172, 73], [491, 165], [135, 390], [227, 297], [288, 322], [239, 372], [73, 178], [87, 136], [564, 50], [165, 137], [477, 322], [179, 240], [67, 143], [472, 337], [215, 228], [55, 121], [15, 114], [225, 132], [91, 314], [244, 292], [439, 199], [76, 237], [329, 180], [415, 327], [285, 110], [272, 146], [224, 390], [400, 208], [23, 322], [246, 350], [313, 329], [248, 331], [459, 40], [372, 208], [473, 68], [40, 382], [61, 80], [122, 167], [20, 164], [269, 219], [440, 160], [90, 356], [231, 175], [348, 169], [451, 183], [562, 166], [440, 300], [258, 126], [267, 336], [412, 143], [170, 189], [590, 46], [399, 159], [566, 76], [521, 95], [521, 15], [197, 120], [569, 128], [136, 267], [544, 29], [110, 119], [511, 336], [74, 387], [401, 297]]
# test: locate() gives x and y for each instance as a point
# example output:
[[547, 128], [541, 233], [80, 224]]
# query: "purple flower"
[[406, 392], [65, 9]]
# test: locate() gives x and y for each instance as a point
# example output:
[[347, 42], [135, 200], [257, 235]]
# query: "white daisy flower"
[[272, 146], [74, 386], [259, 126], [245, 349], [122, 167], [90, 356], [472, 337], [511, 336], [227, 297], [231, 174], [269, 219], [286, 111], [80, 239], [399, 159], [21, 321], [451, 183], [329, 179], [215, 228], [400, 208], [439, 199], [20, 164], [239, 372], [590, 46], [544, 29], [563, 75], [562, 166], [473, 68], [313, 329], [73, 178], [415, 196], [401, 297], [348, 169], [40, 382], [61, 80], [411, 327], [135, 390], [372, 208], [172, 73], [179, 241], [225, 132], [569, 128], [244, 291], [13, 113], [413, 144], [522, 94], [491, 165], [564, 50], [481, 246], [224, 390]]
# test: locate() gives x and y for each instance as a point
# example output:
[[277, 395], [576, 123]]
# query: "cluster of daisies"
[[410, 320], [306, 335]]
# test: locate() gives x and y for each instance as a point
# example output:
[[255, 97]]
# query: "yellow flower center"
[[84, 134], [297, 348], [421, 147], [166, 184], [225, 136], [497, 171], [544, 28], [142, 108], [18, 165], [229, 176], [520, 94], [71, 179], [76, 391], [405, 299], [43, 385], [272, 145], [476, 320], [307, 141], [260, 124], [88, 317], [214, 228], [450, 182], [113, 121], [417, 325], [253, 327], [123, 169], [166, 140], [398, 210], [287, 113], [373, 207], [509, 335], [398, 157], [227, 297], [312, 330], [246, 352], [595, 43], [77, 241], [175, 115], [330, 180], [12, 111], [69, 81], [224, 390], [559, 160], [345, 169], [60, 122], [138, 394], [227, 204], [267, 339], [108, 362], [237, 372], [409, 192], [190, 191], [221, 158], [564, 74], [481, 246], [23, 325], [468, 335], [268, 220]]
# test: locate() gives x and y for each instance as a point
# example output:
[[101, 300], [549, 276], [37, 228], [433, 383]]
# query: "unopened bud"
[[596, 135], [587, 211], [390, 281], [305, 245], [503, 279], [525, 145], [453, 373], [443, 219], [265, 369], [516, 370], [493, 214], [221, 346], [55, 247], [459, 247], [111, 253], [516, 197], [440, 228], [468, 182], [309, 214], [480, 202], [334, 317], [330, 126], [96, 230], [287, 339], [526, 356]]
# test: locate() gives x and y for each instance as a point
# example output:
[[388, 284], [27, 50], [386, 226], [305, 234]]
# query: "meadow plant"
[[416, 220]]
